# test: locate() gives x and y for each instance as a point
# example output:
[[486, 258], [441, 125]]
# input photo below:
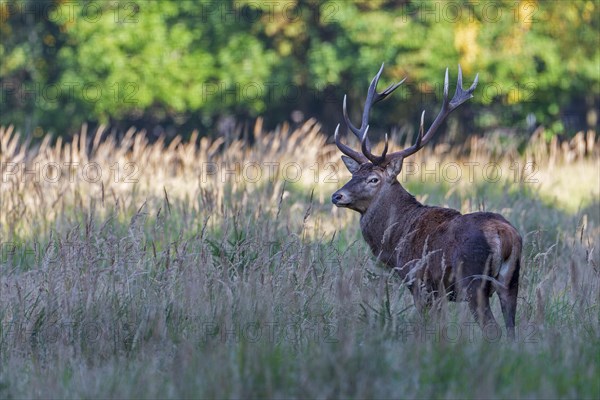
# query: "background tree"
[[209, 65]]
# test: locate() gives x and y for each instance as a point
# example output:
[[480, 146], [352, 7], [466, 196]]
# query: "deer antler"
[[460, 96], [355, 155], [372, 98]]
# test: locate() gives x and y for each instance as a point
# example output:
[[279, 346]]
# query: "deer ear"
[[393, 168], [352, 165]]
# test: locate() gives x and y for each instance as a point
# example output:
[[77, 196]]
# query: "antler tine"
[[354, 129], [446, 86], [363, 145], [372, 97], [474, 85], [355, 155], [359, 132], [365, 149], [460, 96], [409, 150], [385, 147], [458, 80], [376, 160], [421, 129], [388, 91]]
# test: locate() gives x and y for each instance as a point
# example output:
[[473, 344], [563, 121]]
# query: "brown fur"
[[437, 251]]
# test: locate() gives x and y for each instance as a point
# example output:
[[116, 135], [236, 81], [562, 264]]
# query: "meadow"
[[215, 268]]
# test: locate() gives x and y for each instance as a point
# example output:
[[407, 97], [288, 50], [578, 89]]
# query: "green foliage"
[[185, 64]]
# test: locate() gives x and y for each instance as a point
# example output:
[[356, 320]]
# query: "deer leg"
[[421, 298], [478, 297], [508, 301]]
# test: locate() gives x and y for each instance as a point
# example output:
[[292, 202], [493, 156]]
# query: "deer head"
[[371, 173]]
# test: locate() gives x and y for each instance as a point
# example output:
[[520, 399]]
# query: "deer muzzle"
[[340, 199]]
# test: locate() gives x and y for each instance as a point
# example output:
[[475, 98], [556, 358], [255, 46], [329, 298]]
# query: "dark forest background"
[[174, 66]]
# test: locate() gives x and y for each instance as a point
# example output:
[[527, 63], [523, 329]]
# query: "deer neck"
[[388, 220]]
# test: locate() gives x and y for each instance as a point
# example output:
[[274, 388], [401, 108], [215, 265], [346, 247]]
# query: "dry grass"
[[190, 276]]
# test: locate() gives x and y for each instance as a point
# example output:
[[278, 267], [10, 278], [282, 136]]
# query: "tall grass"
[[176, 270]]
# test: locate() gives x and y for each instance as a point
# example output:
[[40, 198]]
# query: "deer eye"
[[373, 180]]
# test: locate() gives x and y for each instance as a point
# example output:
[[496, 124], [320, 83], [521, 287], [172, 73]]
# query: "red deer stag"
[[436, 251]]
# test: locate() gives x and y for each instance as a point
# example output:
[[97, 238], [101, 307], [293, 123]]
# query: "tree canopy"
[[195, 64]]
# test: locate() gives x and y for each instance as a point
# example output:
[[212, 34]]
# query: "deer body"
[[397, 228], [436, 251]]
